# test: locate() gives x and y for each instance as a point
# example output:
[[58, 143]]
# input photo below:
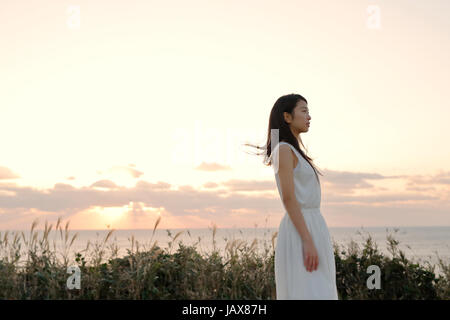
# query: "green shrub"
[[242, 273]]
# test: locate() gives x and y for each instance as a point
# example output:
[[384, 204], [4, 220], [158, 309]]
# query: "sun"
[[111, 215]]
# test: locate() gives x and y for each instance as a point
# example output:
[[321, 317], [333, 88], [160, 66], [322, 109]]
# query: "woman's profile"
[[304, 258]]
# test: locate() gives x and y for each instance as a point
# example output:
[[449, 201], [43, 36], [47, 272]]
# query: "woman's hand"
[[310, 256]]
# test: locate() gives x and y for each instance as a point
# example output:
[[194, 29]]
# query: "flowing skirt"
[[293, 281]]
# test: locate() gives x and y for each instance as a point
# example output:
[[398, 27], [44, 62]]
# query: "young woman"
[[304, 258]]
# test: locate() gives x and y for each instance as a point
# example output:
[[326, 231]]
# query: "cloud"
[[104, 184], [125, 170], [347, 198], [246, 185], [6, 173], [210, 185], [212, 167], [427, 181], [345, 181]]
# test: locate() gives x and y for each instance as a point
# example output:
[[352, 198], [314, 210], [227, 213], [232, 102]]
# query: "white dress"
[[293, 281]]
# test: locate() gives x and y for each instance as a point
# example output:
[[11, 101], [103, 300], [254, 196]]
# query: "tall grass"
[[32, 268]]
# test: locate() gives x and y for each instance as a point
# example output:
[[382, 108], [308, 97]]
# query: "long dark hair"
[[287, 104]]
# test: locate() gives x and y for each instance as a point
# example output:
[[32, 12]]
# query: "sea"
[[419, 244]]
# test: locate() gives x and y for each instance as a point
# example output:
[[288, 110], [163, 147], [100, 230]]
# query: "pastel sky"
[[115, 113]]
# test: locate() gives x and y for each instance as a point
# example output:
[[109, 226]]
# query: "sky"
[[116, 113]]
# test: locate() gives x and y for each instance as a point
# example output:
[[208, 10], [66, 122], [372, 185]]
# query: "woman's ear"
[[287, 117]]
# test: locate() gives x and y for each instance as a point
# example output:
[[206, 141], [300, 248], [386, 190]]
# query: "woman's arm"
[[286, 175]]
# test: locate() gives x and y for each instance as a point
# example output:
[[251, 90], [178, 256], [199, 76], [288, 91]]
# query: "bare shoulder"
[[287, 156]]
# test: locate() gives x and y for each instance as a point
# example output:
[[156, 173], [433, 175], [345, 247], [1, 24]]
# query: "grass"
[[36, 268]]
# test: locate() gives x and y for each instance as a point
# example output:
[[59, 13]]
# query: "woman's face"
[[300, 121]]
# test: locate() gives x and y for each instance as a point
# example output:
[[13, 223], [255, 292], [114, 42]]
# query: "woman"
[[304, 258]]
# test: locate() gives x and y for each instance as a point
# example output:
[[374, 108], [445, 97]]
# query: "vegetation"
[[157, 273]]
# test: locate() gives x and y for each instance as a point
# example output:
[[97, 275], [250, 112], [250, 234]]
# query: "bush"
[[242, 273]]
